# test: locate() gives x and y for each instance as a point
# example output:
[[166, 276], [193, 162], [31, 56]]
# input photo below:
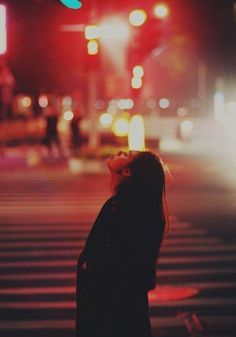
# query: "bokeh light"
[[43, 101], [186, 126], [68, 115], [91, 32], [67, 101], [92, 47], [112, 109], [125, 104], [164, 103], [137, 17], [120, 127], [136, 82], [106, 119], [161, 10], [138, 71], [181, 112], [26, 101]]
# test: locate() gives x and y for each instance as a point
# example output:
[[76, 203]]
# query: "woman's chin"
[[108, 162]]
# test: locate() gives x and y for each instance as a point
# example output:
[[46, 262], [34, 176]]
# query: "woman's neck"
[[115, 181]]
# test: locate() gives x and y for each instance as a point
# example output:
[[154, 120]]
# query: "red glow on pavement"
[[171, 293]]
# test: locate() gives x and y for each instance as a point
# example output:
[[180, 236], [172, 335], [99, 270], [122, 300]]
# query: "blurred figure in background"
[[51, 138], [76, 140]]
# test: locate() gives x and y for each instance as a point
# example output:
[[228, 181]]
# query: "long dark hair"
[[146, 184]]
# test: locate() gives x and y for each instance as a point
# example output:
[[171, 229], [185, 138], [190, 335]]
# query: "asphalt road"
[[46, 213]]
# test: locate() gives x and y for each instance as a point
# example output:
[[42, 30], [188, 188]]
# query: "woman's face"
[[121, 160]]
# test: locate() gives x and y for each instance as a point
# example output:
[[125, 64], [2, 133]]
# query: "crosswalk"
[[45, 217]]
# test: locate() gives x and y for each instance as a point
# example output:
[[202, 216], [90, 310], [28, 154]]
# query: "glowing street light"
[[106, 119], [68, 115], [125, 104], [186, 129], [187, 126], [138, 71], [26, 101], [43, 101], [136, 137], [92, 32], [137, 17], [136, 82], [161, 10], [92, 47], [164, 103], [3, 30], [121, 127]]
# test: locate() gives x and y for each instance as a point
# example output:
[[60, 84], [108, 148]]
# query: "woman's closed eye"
[[122, 153]]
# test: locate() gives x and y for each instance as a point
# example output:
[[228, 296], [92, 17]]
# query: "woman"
[[117, 266]]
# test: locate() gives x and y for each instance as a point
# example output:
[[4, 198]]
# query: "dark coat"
[[120, 255]]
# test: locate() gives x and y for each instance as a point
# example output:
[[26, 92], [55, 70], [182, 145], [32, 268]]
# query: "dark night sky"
[[43, 57]]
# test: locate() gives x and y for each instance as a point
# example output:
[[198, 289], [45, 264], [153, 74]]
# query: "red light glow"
[[171, 293]]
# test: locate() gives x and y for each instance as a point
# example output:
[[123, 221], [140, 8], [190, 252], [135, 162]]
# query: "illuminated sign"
[[3, 30], [74, 4]]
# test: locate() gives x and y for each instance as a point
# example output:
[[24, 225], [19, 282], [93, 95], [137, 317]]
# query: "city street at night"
[[46, 212], [108, 109]]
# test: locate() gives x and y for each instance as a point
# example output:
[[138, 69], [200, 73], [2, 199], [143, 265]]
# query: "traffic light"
[[136, 82], [137, 79], [138, 71], [92, 47], [91, 32], [92, 35], [74, 4]]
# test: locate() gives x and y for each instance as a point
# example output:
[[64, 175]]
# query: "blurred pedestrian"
[[117, 266], [76, 140], [51, 137]]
